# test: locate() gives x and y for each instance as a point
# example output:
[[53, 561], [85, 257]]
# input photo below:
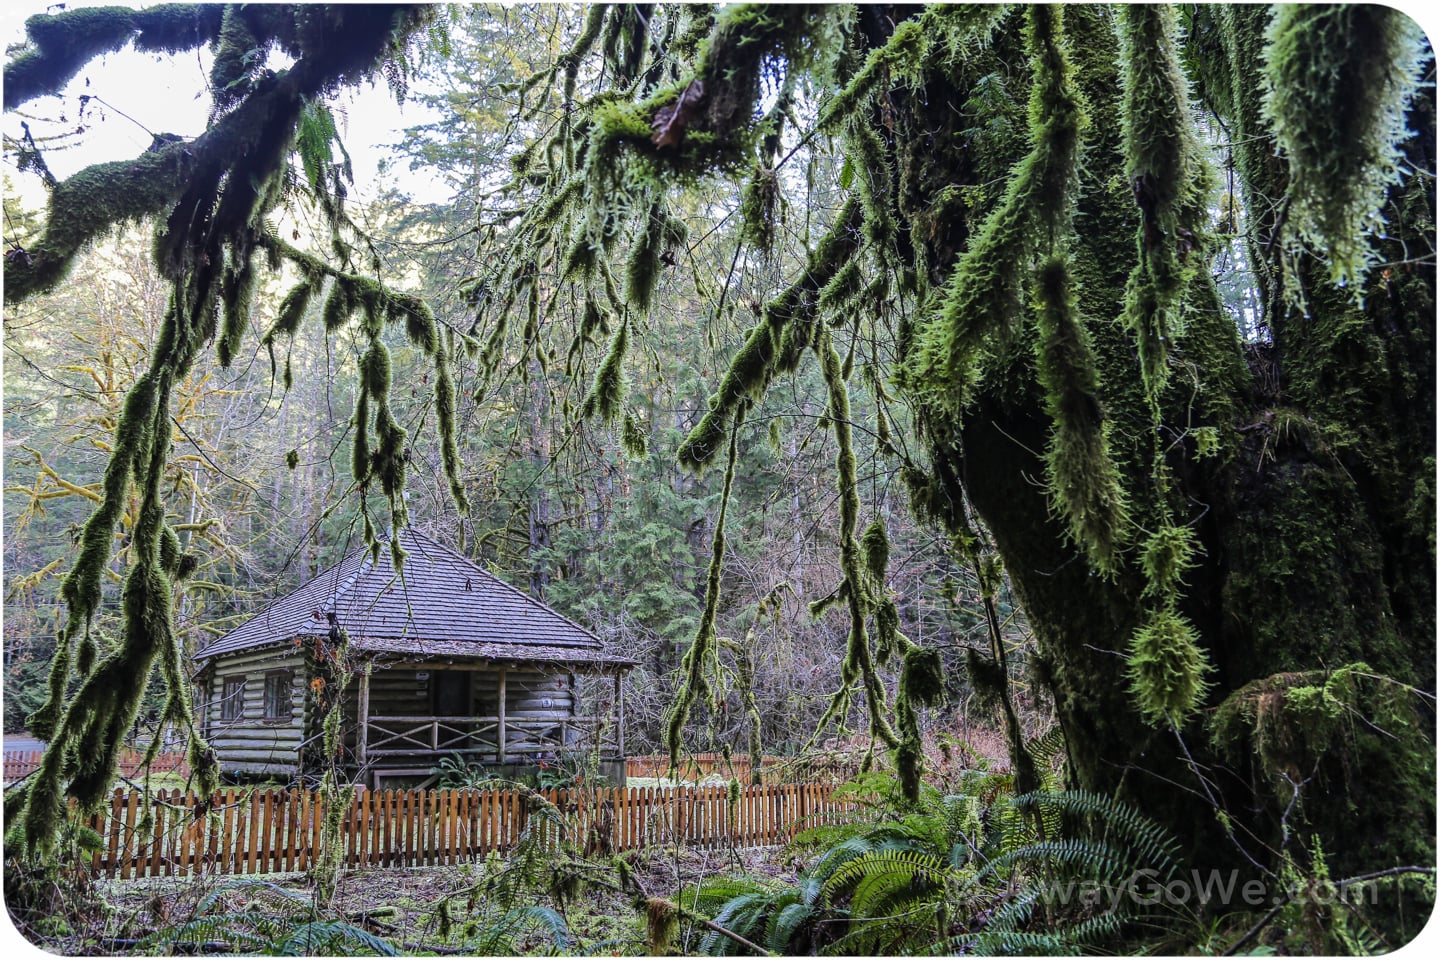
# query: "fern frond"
[[333, 938], [1152, 845], [1089, 858], [784, 924], [871, 877]]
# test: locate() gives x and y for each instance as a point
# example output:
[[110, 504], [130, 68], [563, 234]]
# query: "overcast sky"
[[139, 95]]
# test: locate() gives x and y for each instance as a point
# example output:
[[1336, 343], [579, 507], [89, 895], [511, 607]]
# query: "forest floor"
[[401, 905]]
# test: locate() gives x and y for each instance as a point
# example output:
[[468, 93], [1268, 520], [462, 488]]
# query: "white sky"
[[161, 94]]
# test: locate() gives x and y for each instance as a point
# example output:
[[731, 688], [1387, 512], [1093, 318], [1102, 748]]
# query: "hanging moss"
[[445, 424], [360, 449], [859, 659], [606, 397], [662, 924], [237, 292], [236, 57], [418, 319], [1169, 180], [91, 728], [340, 306], [983, 295], [702, 652], [634, 437], [290, 313], [760, 208], [1081, 477], [922, 678], [626, 30], [1167, 668], [1168, 553], [642, 267], [987, 677], [1341, 78], [772, 346], [875, 544]]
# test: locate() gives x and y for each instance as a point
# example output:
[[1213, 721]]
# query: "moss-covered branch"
[[776, 343], [983, 297], [240, 150], [60, 45]]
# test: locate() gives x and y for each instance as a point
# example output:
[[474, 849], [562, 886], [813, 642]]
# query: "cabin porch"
[[510, 718]]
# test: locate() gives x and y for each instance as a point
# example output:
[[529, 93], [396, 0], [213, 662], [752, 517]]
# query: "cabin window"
[[279, 695], [232, 698]]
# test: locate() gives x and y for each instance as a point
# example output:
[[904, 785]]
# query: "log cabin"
[[445, 660]]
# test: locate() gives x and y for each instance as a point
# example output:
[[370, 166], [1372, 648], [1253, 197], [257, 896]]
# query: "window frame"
[[285, 710], [232, 698]]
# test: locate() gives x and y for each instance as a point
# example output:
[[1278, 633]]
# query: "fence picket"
[[257, 831]]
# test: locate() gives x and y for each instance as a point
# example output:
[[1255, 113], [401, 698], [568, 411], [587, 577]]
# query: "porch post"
[[500, 712], [619, 717], [362, 730]]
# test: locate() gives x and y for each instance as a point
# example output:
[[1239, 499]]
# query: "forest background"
[[618, 542]]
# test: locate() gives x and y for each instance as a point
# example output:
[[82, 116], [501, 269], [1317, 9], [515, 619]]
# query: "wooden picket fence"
[[773, 770], [272, 831], [21, 763]]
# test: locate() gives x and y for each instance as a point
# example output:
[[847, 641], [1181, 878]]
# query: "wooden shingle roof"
[[444, 605]]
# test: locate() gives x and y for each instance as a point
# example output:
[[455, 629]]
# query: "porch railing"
[[488, 739]]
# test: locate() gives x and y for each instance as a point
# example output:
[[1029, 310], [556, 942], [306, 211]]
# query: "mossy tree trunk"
[[1311, 493]]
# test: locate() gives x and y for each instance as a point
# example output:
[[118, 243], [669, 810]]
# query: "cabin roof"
[[444, 605]]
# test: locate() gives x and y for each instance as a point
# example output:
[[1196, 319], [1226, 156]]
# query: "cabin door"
[[452, 693]]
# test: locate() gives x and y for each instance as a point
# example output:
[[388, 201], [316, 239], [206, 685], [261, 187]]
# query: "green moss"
[[1167, 554], [1081, 477], [237, 56], [1292, 722], [634, 437], [1169, 181], [291, 312], [606, 397], [237, 292], [760, 209], [360, 448], [982, 298], [643, 265], [87, 205], [776, 344], [1341, 78], [701, 654], [922, 680], [446, 424], [875, 545], [1167, 668], [859, 658]]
